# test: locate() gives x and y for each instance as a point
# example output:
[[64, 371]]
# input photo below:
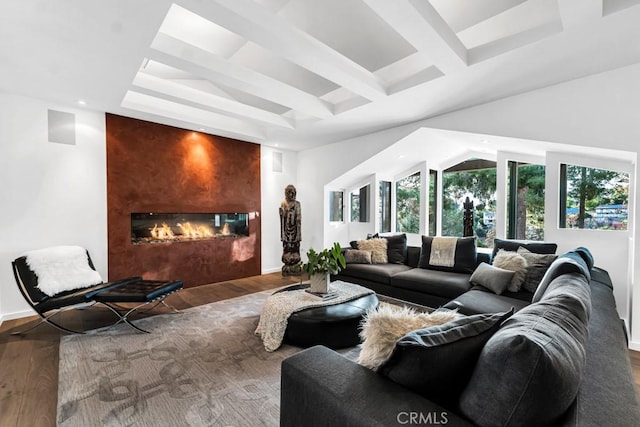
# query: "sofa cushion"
[[356, 256], [377, 247], [513, 245], [378, 273], [439, 283], [586, 256], [564, 264], [381, 329], [478, 301], [396, 247], [537, 266], [437, 361], [456, 254], [515, 262], [493, 278], [529, 372]]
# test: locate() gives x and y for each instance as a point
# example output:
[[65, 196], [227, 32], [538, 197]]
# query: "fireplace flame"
[[162, 232], [197, 231]]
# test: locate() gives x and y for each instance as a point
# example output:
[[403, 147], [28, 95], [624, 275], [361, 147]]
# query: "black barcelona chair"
[[129, 290]]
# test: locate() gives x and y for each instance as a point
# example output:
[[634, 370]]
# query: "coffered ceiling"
[[300, 73]]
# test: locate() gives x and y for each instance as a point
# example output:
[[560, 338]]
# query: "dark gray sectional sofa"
[[561, 359]]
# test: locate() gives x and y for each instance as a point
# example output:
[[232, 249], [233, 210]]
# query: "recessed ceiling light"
[[484, 141], [82, 102], [201, 129], [276, 145]]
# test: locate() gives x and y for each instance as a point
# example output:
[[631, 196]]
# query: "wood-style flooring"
[[29, 362]]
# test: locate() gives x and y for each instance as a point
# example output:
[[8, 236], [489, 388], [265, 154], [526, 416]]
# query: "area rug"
[[201, 367]]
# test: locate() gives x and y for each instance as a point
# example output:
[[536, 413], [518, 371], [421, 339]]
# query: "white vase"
[[319, 283]]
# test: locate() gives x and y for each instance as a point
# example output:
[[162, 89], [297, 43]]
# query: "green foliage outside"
[[408, 204], [530, 203], [589, 188], [480, 186]]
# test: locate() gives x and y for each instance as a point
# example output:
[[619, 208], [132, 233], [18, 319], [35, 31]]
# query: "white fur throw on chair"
[[62, 268]]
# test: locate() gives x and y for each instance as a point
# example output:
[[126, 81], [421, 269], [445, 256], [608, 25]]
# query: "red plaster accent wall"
[[158, 168]]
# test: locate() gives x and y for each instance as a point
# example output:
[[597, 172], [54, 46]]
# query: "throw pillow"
[[529, 372], [377, 247], [438, 361], [356, 256], [537, 266], [491, 277], [586, 256], [513, 245], [570, 262], [381, 329], [396, 248], [457, 254], [515, 262]]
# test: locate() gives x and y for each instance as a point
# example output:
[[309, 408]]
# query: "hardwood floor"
[[29, 363]]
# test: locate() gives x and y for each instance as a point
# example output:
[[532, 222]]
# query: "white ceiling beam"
[[162, 107], [576, 12], [209, 100], [182, 55], [273, 32], [421, 25]]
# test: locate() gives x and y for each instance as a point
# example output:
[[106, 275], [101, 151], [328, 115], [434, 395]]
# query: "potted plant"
[[321, 264]]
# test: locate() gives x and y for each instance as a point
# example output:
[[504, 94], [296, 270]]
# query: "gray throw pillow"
[[437, 361], [537, 266], [493, 278], [515, 262], [356, 256], [529, 372]]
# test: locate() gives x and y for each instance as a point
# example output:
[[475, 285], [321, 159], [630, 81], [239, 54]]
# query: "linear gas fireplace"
[[187, 227]]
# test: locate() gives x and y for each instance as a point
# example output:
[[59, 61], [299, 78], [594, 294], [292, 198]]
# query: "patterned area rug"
[[201, 367]]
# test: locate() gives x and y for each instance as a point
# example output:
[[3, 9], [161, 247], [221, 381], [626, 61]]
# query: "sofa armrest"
[[320, 387]]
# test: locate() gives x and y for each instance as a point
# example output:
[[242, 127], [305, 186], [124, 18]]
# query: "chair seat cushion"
[[380, 273]]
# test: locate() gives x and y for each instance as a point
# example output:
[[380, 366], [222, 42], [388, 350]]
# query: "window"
[[359, 202], [593, 198], [384, 207], [433, 202], [408, 204], [336, 206], [475, 179], [525, 201]]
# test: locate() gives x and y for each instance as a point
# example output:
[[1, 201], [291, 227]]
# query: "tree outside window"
[[593, 198], [525, 201], [408, 204], [475, 179]]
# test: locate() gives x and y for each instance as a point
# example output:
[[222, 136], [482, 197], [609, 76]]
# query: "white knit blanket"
[[62, 268], [443, 251], [279, 306]]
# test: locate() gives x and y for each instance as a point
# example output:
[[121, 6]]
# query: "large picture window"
[[359, 204], [408, 204], [336, 206], [525, 201], [433, 202], [384, 206], [595, 199], [475, 179]]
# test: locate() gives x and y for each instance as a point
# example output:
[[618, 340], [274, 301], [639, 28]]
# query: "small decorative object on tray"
[[325, 296]]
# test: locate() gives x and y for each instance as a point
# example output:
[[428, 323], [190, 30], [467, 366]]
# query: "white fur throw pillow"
[[62, 268], [381, 329], [515, 262], [378, 249]]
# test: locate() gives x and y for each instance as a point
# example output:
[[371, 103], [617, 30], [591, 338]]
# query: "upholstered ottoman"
[[334, 326]]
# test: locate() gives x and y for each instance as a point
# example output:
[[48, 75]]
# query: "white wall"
[[51, 194], [272, 194]]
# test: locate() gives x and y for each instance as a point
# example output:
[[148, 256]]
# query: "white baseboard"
[[17, 315], [271, 270], [634, 345]]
